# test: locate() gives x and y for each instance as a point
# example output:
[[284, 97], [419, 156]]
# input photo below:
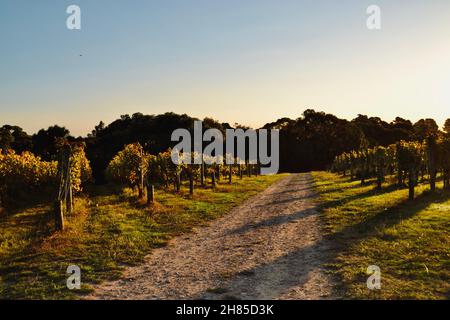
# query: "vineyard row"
[[408, 160]]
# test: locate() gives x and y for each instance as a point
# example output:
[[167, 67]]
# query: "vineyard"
[[409, 161], [133, 167], [140, 170], [400, 225], [237, 151], [27, 172], [385, 205], [147, 201]]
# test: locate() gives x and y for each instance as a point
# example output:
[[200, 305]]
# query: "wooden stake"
[[150, 194], [59, 215], [191, 183], [213, 179]]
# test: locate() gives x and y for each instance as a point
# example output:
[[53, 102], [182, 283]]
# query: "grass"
[[408, 240], [110, 230]]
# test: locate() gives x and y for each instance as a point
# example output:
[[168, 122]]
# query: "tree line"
[[310, 142]]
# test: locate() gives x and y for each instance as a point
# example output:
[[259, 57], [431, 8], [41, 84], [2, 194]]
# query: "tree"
[[424, 128], [46, 142], [447, 127], [6, 138], [98, 129], [13, 137], [153, 132], [312, 141]]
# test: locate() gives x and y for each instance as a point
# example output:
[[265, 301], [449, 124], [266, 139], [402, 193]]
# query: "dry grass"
[[408, 240]]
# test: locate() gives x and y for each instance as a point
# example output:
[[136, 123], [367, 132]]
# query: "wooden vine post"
[[191, 175], [150, 189], [202, 173], [213, 178], [69, 195], [432, 155], [64, 202], [191, 183], [141, 182], [177, 181], [150, 194], [400, 171], [412, 183]]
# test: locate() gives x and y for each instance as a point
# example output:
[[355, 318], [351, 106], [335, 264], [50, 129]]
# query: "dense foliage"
[[80, 168], [137, 168], [23, 173], [128, 164], [310, 142], [26, 172], [408, 159]]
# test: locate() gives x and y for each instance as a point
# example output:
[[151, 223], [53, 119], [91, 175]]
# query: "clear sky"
[[246, 61]]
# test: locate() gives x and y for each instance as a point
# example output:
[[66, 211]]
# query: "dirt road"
[[270, 247]]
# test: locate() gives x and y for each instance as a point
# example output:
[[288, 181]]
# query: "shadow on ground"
[[330, 246]]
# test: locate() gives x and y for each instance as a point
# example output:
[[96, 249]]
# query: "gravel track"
[[269, 247]]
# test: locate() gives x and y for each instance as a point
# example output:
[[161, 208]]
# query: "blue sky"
[[249, 61]]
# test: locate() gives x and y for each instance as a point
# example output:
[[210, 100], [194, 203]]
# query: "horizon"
[[252, 66]]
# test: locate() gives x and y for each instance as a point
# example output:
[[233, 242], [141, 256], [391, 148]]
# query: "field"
[[408, 240], [109, 230]]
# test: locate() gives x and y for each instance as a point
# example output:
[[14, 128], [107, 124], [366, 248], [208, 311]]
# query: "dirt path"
[[270, 247]]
